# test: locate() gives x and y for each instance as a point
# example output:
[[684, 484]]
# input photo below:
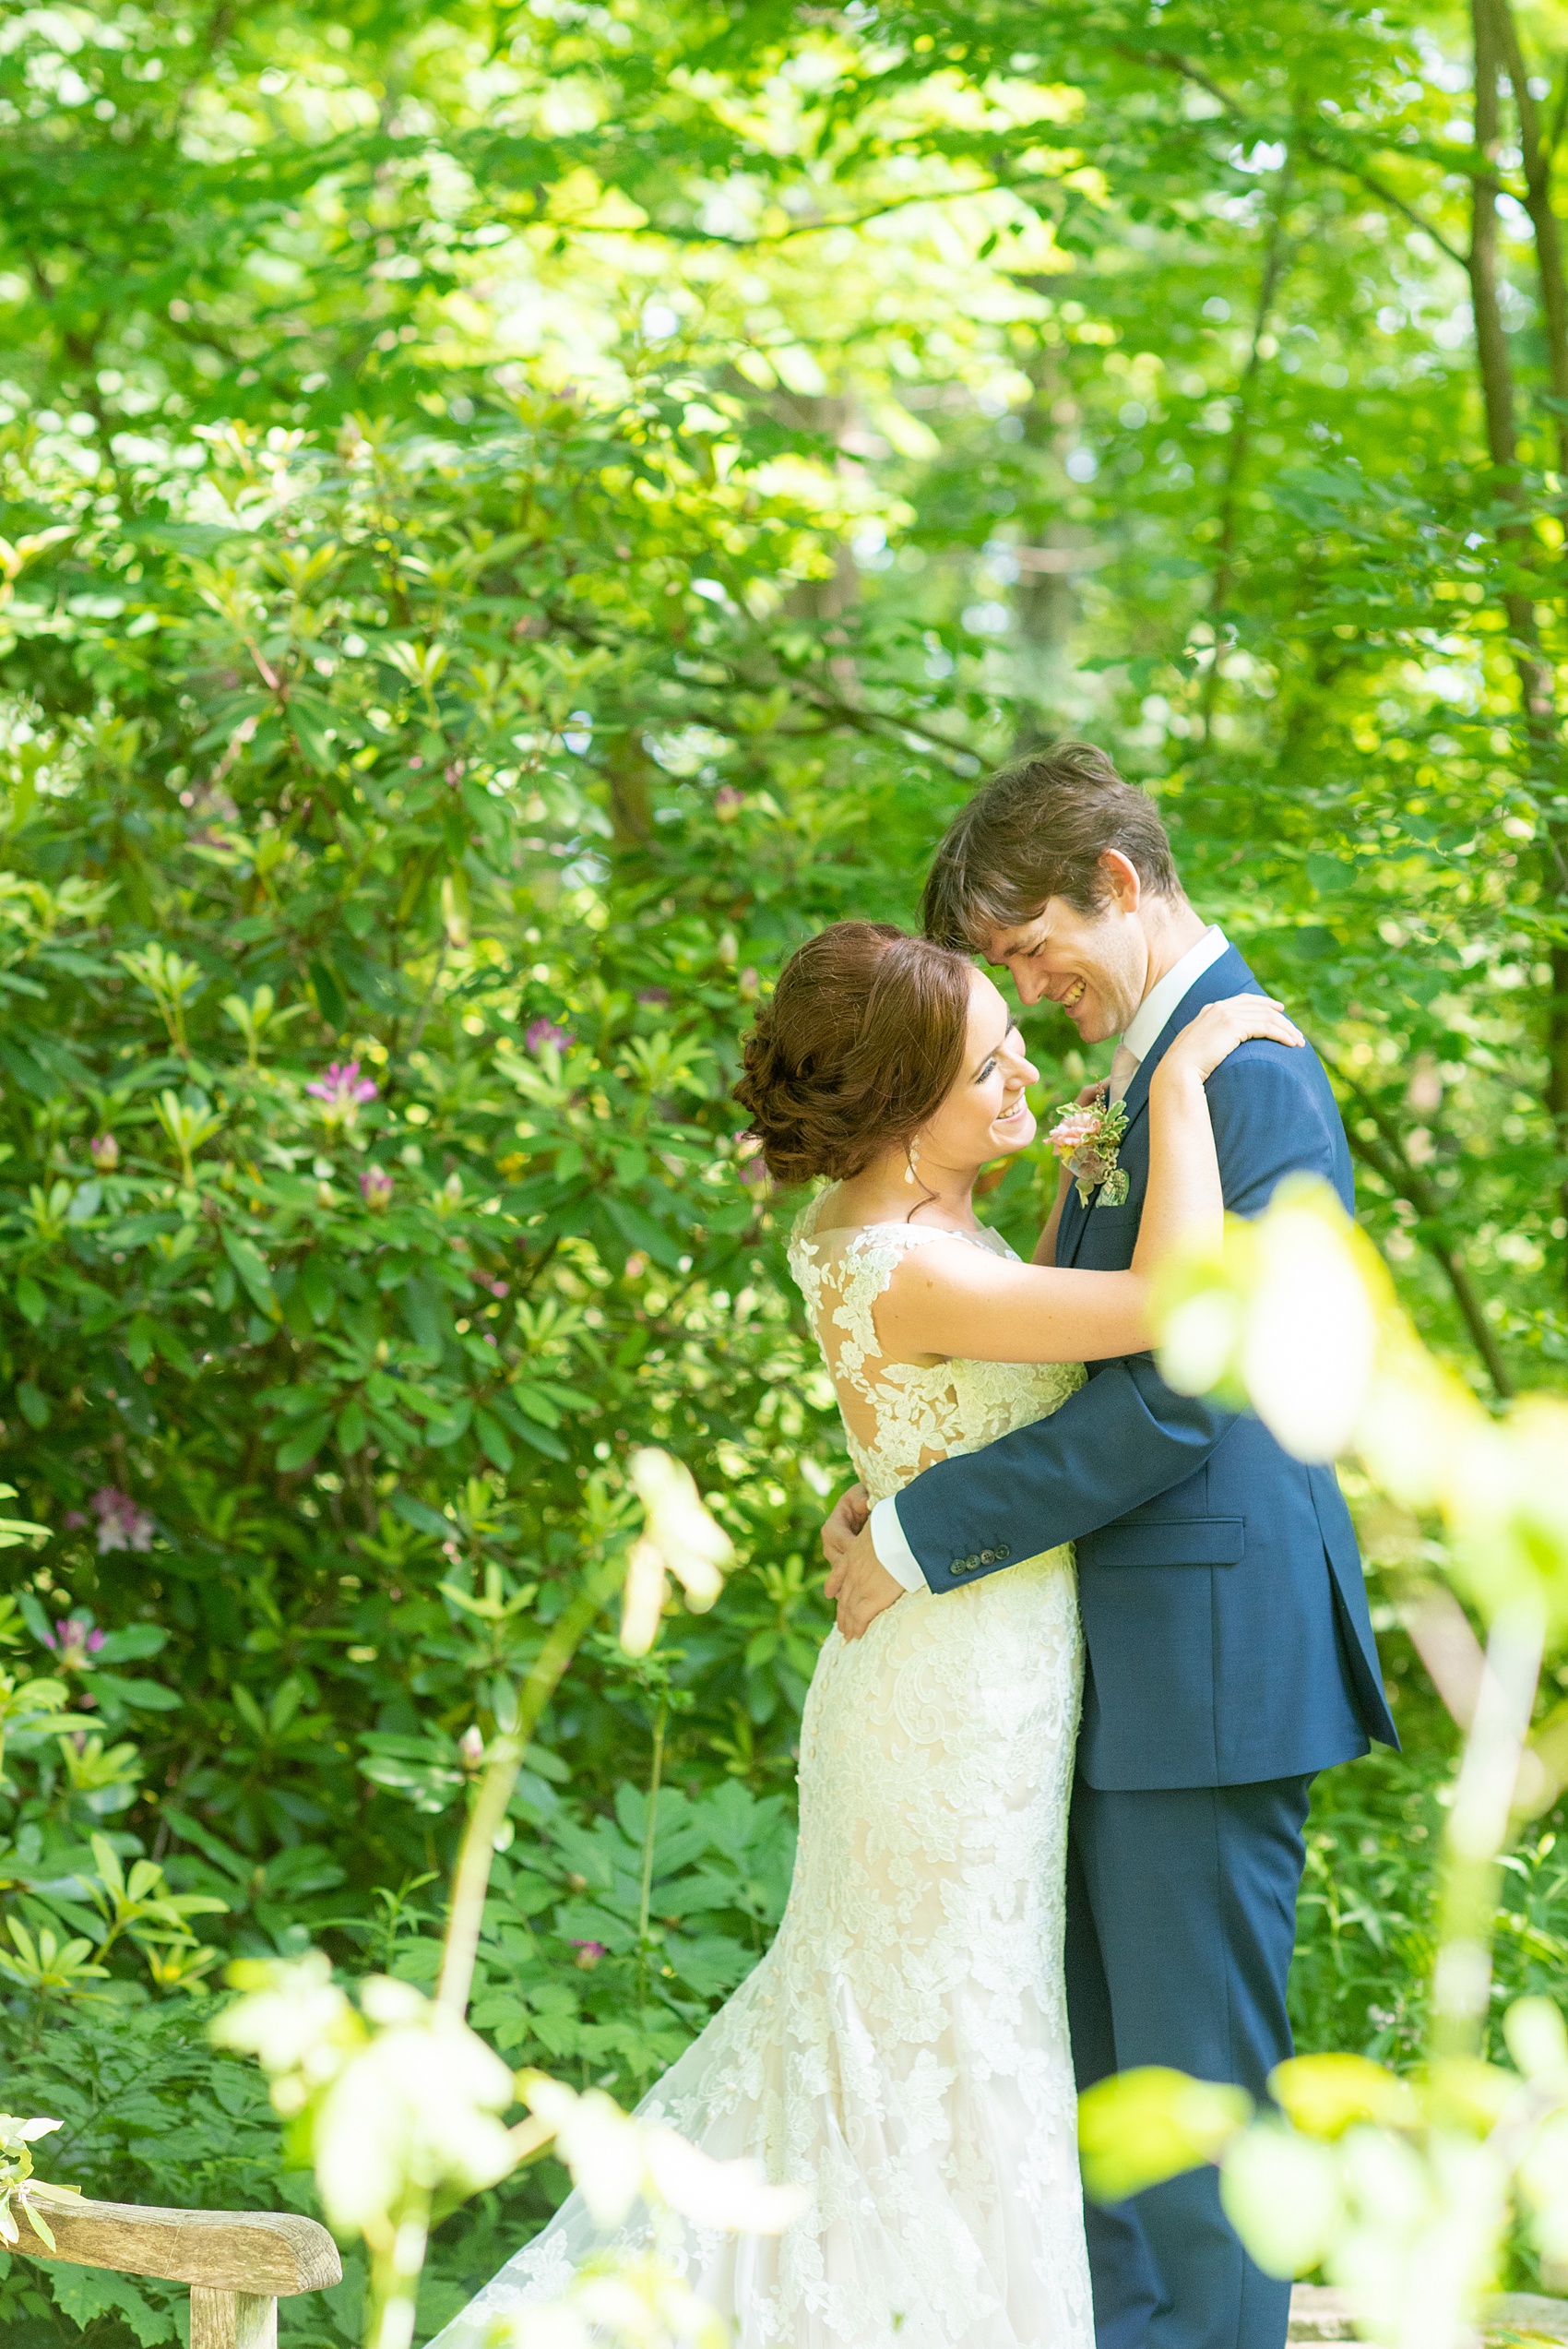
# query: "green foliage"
[[508, 520]]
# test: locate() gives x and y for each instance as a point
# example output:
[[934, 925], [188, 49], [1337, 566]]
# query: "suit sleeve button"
[[988, 1557], [1003, 1550]]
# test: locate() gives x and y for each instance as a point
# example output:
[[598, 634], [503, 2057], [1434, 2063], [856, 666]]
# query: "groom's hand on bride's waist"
[[860, 1583], [841, 1529]]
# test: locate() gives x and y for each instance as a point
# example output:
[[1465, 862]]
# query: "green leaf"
[[133, 1642], [1329, 876], [353, 1428], [86, 2293], [542, 1439], [142, 1695], [492, 1439], [305, 1443], [423, 1518], [641, 1231], [31, 1303], [251, 1266], [328, 994], [1141, 2127], [33, 1404]]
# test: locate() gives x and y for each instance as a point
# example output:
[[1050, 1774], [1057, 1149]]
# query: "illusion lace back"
[[901, 2052]]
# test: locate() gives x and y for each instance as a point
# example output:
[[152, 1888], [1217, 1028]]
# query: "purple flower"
[[653, 995], [545, 1031], [73, 1521], [105, 1153], [376, 1188], [121, 1525], [340, 1092], [590, 1954], [74, 1640], [727, 803]]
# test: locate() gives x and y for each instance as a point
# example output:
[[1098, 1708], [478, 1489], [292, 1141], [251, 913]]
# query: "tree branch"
[[1388, 1159], [1174, 63]]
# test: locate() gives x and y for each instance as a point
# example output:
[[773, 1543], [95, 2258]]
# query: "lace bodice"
[[901, 1416]]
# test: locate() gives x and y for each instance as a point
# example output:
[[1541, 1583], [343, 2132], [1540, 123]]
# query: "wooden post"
[[232, 2320]]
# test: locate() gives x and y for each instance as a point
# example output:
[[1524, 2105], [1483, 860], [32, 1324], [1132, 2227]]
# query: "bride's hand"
[[1216, 1032]]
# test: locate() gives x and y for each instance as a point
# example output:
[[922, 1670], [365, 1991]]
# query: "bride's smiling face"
[[986, 1115]]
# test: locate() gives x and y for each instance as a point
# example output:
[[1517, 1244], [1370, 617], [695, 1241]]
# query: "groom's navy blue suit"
[[1229, 1656]]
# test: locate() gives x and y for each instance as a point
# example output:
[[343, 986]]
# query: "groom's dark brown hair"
[[1037, 831]]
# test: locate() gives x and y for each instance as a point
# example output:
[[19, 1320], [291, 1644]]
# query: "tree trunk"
[[1497, 48], [1492, 348], [1496, 367], [629, 771], [1240, 437], [1543, 220]]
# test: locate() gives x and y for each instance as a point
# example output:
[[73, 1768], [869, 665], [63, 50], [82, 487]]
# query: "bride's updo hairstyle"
[[862, 1041]]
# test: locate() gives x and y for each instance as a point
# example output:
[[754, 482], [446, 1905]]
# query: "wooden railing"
[[239, 2264]]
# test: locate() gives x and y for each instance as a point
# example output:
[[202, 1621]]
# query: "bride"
[[901, 2052]]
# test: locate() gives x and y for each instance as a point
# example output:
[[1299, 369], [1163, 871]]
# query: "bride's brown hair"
[[862, 1041]]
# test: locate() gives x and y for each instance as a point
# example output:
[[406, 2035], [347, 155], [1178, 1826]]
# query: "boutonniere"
[[1089, 1139]]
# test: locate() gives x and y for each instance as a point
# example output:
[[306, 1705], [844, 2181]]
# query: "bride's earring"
[[912, 1157]]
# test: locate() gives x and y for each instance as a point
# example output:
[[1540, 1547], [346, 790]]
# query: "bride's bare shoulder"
[[942, 1253]]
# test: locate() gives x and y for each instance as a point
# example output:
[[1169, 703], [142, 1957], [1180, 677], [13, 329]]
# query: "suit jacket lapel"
[[1070, 1231], [1228, 976]]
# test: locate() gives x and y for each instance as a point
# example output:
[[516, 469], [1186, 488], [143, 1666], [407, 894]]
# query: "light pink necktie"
[[1123, 1069]]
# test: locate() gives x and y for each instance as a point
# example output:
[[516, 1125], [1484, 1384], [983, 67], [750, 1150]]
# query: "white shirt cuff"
[[892, 1550]]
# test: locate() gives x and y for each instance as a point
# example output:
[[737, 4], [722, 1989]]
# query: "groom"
[[1229, 1648]]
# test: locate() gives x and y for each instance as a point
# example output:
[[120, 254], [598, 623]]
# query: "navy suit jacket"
[[1224, 1610]]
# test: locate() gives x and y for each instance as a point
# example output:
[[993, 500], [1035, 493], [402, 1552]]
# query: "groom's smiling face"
[[1095, 966]]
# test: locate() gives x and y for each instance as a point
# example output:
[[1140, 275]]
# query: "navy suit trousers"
[[1180, 1922]]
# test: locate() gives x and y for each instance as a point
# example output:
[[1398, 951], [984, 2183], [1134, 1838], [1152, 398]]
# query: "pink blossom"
[[590, 1954], [73, 1521], [340, 1092], [121, 1525], [1070, 1133], [727, 803], [105, 1153], [376, 1188], [545, 1031], [74, 1640], [653, 995], [471, 1745]]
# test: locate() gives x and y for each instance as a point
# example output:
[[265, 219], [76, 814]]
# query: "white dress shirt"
[[1143, 1031]]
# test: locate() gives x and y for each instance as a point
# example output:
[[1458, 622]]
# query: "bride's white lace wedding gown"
[[901, 2052]]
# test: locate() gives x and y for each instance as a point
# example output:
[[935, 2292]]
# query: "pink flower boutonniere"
[[1089, 1139]]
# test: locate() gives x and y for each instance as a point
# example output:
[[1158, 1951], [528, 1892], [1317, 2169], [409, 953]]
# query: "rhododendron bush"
[[508, 517]]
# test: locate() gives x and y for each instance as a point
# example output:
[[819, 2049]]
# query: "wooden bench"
[[1318, 2313], [239, 2264]]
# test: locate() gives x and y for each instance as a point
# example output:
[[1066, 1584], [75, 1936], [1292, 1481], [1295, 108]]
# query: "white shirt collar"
[[1144, 1027]]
